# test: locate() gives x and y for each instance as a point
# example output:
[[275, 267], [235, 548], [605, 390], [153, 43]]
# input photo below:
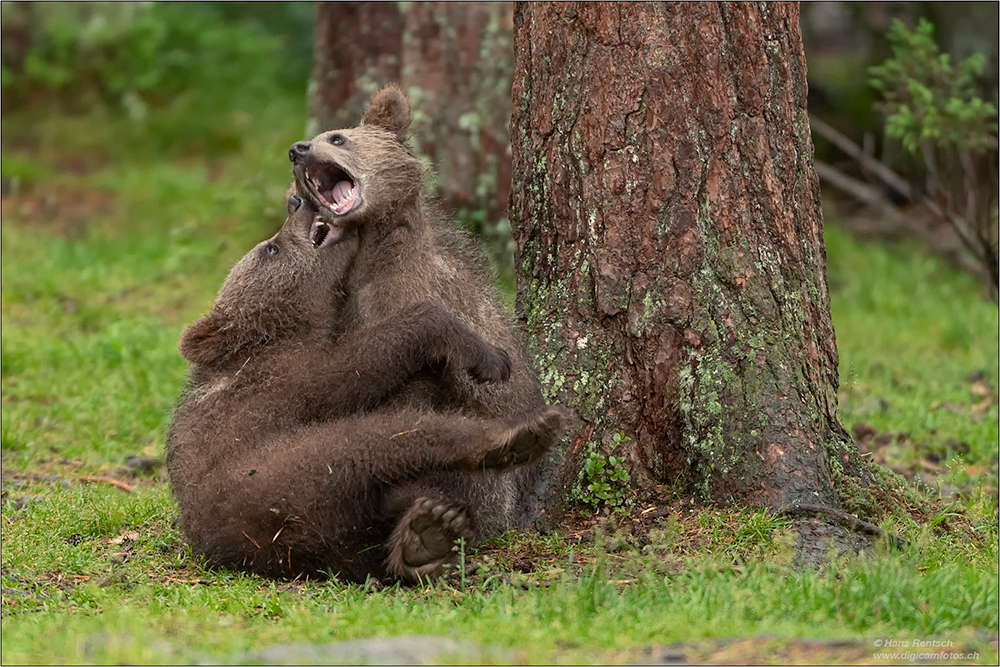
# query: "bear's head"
[[360, 174], [287, 287]]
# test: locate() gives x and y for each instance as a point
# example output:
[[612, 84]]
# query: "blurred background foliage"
[[133, 54], [843, 39], [167, 68]]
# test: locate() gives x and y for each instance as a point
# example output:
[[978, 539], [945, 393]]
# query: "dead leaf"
[[983, 389], [124, 537], [950, 407], [863, 433], [980, 409], [883, 439]]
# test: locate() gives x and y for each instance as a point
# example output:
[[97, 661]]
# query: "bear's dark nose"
[[300, 150]]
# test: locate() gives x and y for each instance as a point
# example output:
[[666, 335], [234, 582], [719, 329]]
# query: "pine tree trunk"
[[669, 245], [455, 62]]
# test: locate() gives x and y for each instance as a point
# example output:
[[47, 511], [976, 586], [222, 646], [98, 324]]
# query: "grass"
[[918, 358], [75, 591], [110, 247]]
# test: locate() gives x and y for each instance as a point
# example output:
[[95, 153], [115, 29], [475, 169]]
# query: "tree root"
[[844, 520]]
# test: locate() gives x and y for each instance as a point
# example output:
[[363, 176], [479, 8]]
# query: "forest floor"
[[111, 244]]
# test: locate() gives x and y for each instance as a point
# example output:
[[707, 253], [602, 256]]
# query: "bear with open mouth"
[[286, 454], [365, 180]]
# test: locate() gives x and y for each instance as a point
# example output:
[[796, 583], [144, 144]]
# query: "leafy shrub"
[[928, 98]]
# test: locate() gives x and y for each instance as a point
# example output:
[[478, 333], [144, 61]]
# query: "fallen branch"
[[202, 582], [973, 241], [897, 220], [860, 191], [108, 480], [884, 173]]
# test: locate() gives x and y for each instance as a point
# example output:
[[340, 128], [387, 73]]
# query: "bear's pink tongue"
[[342, 193]]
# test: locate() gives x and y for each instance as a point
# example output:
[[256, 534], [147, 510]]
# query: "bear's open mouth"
[[333, 187], [323, 234]]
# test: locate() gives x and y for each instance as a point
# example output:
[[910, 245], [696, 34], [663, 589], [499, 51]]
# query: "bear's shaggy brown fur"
[[365, 180], [278, 457]]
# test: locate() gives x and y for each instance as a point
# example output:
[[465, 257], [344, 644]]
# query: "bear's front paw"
[[491, 366], [527, 441]]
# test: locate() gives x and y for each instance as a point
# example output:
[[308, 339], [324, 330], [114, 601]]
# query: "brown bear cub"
[[279, 456], [365, 181]]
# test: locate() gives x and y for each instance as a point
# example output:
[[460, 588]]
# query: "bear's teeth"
[[311, 180]]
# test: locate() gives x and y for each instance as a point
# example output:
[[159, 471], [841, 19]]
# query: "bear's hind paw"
[[421, 545]]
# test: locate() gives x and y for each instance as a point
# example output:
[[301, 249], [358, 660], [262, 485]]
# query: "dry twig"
[[108, 480]]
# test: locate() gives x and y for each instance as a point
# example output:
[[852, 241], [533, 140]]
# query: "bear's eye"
[[271, 249], [337, 140]]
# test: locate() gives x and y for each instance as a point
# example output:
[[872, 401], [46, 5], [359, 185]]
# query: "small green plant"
[[928, 98], [606, 479]]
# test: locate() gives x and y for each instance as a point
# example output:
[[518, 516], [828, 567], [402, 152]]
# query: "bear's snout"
[[299, 151]]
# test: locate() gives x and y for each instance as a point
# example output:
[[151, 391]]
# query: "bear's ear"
[[207, 341], [390, 111]]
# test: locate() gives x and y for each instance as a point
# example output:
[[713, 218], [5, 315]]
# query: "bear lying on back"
[[279, 455]]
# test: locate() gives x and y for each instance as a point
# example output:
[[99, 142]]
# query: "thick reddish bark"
[[670, 244], [454, 61]]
